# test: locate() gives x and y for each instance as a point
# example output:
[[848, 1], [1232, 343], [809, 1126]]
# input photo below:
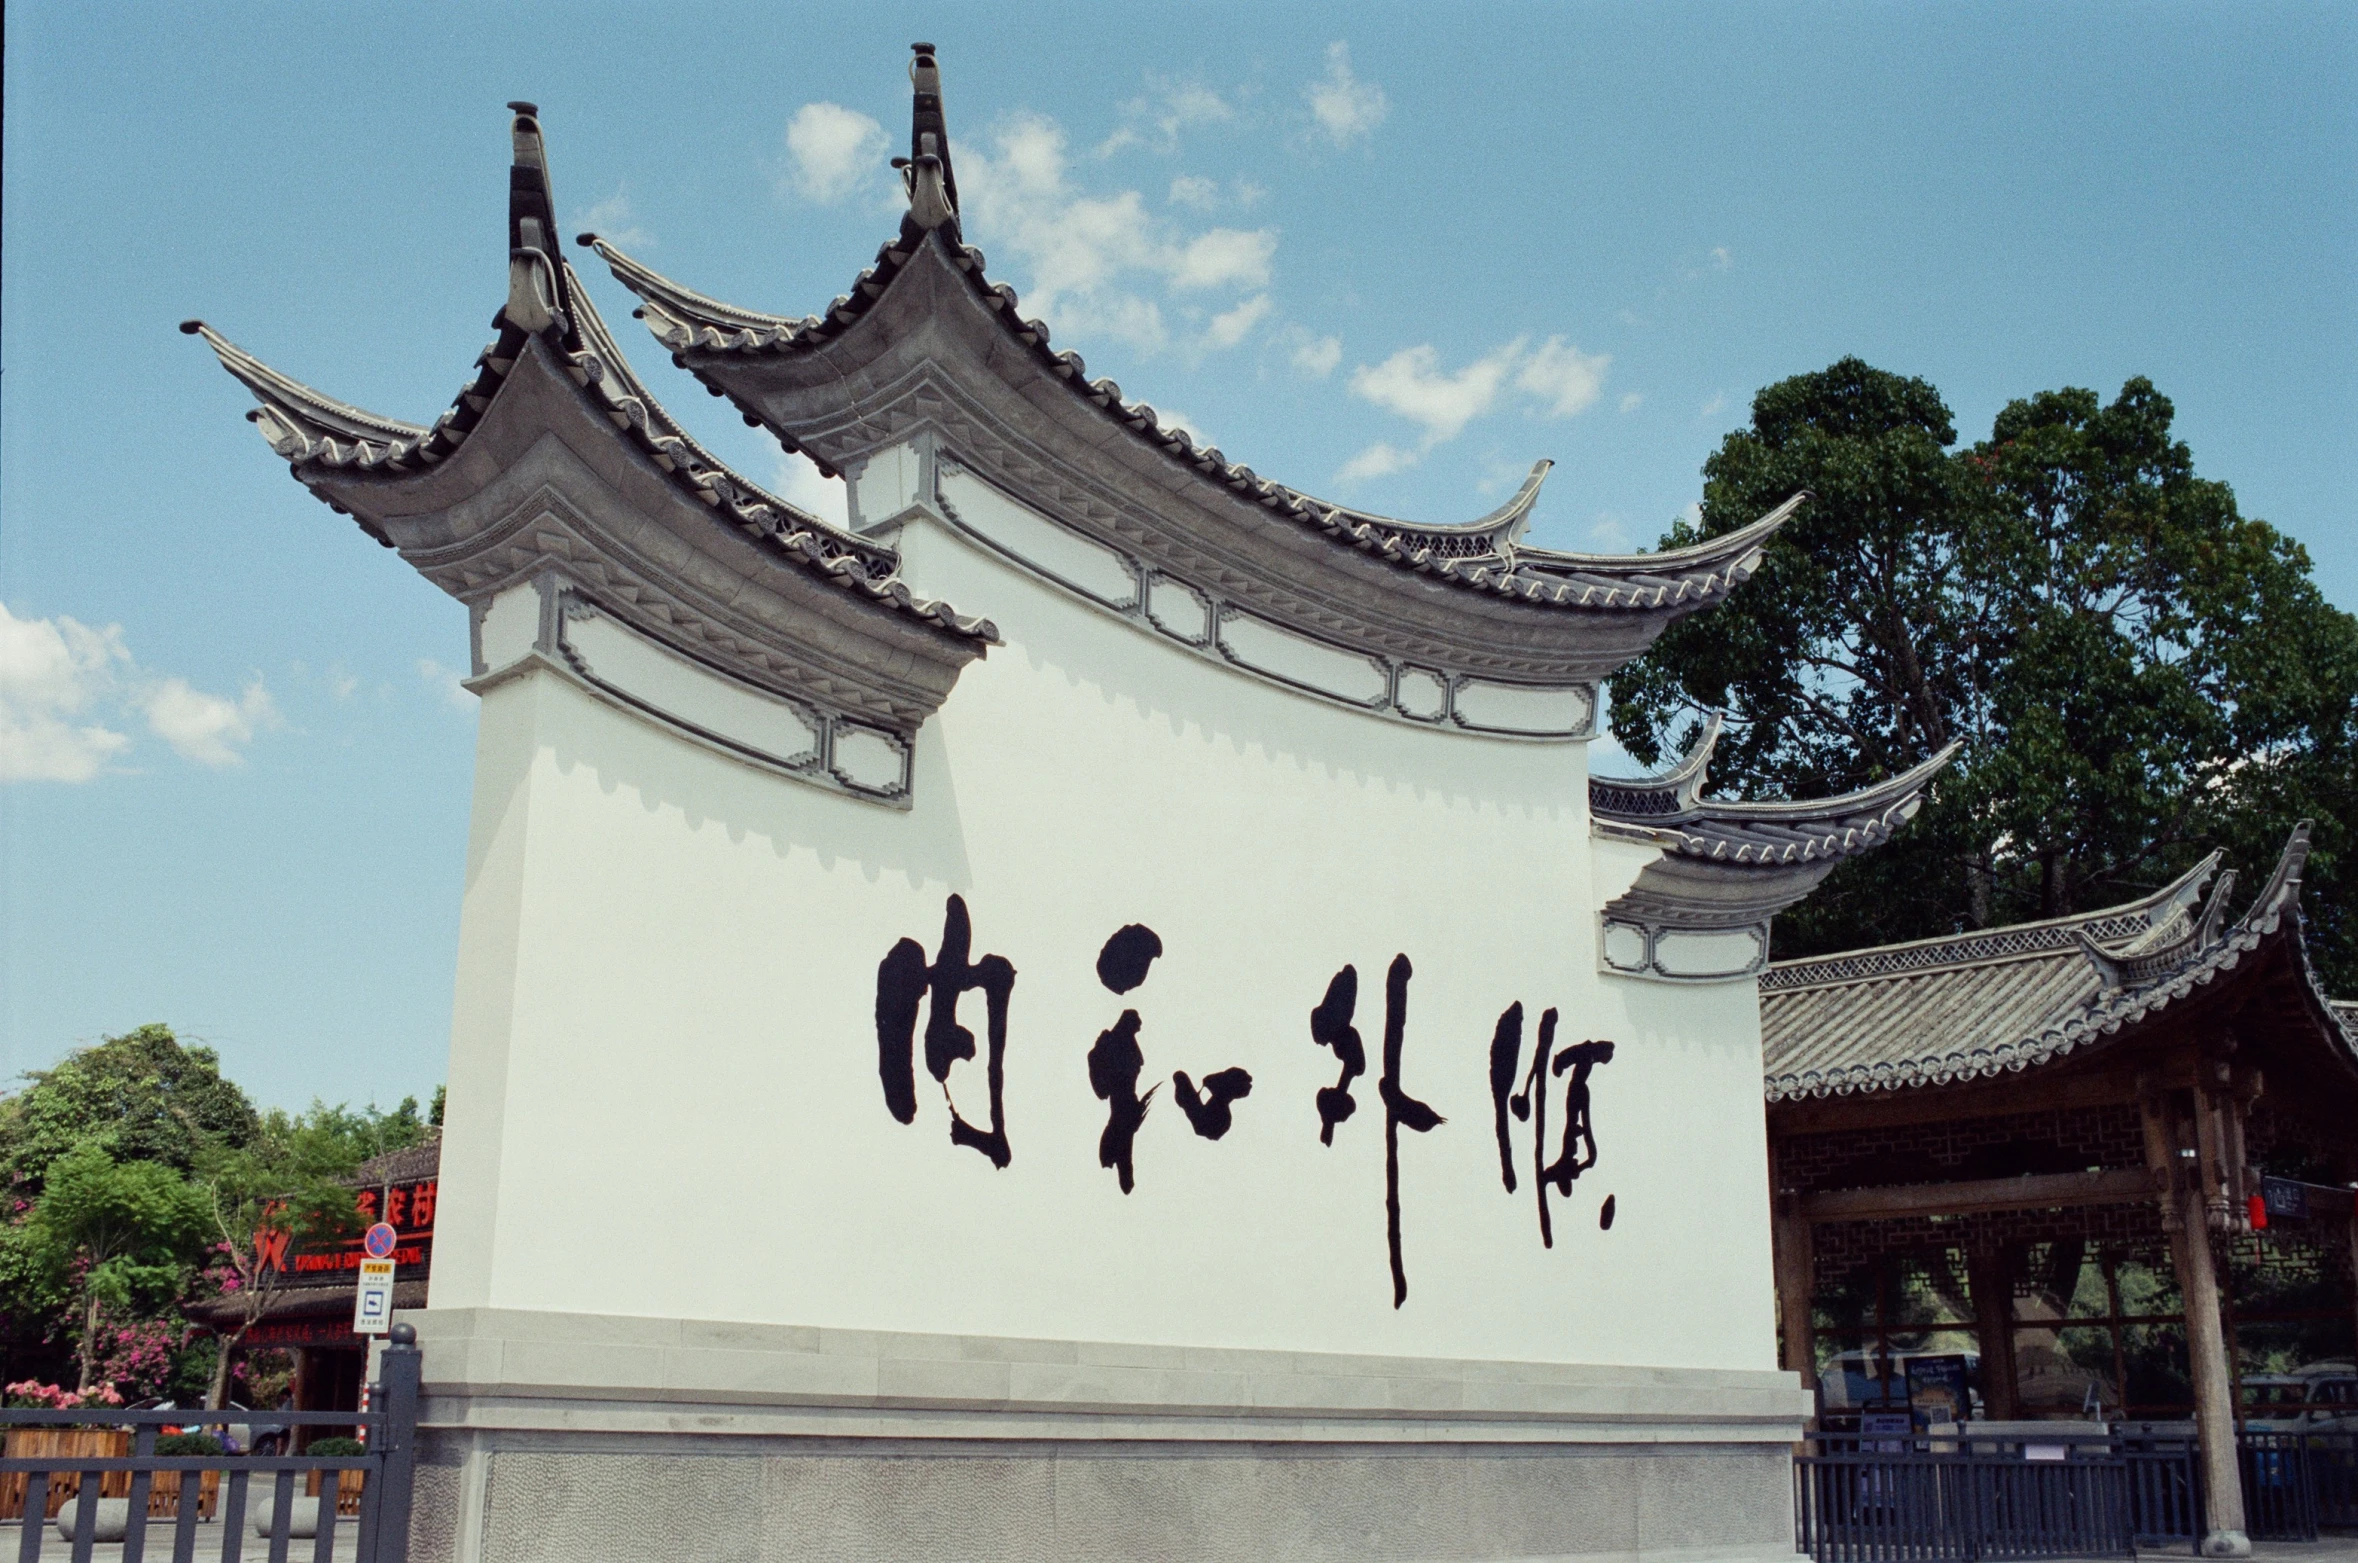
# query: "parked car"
[[263, 1434], [2332, 1406]]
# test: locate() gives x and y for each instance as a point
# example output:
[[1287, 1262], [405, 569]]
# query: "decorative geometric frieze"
[[1562, 712], [1305, 663]]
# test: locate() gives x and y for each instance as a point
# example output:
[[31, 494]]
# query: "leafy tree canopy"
[[2138, 672], [142, 1096], [121, 1233]]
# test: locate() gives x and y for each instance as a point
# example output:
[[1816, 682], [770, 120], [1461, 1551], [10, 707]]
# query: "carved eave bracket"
[[589, 535], [1701, 910]]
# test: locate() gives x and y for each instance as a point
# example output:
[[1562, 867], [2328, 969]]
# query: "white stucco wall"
[[664, 1091]]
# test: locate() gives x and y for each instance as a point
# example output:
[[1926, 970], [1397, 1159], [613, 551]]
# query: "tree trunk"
[[89, 1337], [217, 1397]]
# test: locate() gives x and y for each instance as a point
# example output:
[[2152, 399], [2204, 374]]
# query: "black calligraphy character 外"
[[1400, 1111], [905, 983], [1330, 1026]]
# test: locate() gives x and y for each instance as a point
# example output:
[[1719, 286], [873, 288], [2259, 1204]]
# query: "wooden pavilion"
[[2057, 1146]]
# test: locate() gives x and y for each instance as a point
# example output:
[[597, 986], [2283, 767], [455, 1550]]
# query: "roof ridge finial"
[[536, 283], [932, 186]]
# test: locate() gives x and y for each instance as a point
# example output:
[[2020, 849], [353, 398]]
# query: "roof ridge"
[[1481, 554], [2102, 1013], [545, 303], [2013, 941]]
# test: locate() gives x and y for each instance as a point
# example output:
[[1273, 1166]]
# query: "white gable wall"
[[665, 1099]]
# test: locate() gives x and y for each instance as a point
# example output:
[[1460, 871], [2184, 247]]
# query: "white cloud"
[[342, 684], [1718, 403], [1378, 460], [1608, 534], [1166, 110], [60, 680], [1562, 376], [1346, 108], [1232, 326], [445, 682], [1235, 257], [1720, 258], [612, 219], [204, 727], [1196, 191], [1693, 514], [835, 150], [1315, 355], [1172, 418], [1412, 384], [799, 482], [1095, 260], [1631, 401], [51, 672]]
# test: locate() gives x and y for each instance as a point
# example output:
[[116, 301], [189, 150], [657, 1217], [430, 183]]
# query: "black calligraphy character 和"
[[1578, 1150], [904, 984], [1330, 1026], [1116, 1061]]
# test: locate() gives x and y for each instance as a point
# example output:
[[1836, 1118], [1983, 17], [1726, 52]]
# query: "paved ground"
[[208, 1545]]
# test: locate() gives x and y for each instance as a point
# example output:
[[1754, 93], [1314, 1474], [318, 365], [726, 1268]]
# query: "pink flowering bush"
[[139, 1357], [33, 1395]]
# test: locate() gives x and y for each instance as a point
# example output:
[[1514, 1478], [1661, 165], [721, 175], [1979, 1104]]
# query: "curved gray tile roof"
[[1938, 1011]]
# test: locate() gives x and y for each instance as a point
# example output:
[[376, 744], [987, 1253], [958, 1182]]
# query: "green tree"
[[289, 1184], [2138, 671], [113, 1234], [142, 1095]]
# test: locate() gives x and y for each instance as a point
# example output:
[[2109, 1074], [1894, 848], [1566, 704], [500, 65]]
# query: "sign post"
[[372, 1303]]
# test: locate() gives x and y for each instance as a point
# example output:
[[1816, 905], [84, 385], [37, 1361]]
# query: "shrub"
[[336, 1448], [185, 1446]]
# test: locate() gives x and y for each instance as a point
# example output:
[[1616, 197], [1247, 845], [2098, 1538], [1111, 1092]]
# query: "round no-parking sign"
[[379, 1241]]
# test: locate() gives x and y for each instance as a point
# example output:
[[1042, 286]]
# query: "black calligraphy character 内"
[[904, 984]]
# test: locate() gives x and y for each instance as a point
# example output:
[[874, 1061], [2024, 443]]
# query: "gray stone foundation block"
[[546, 1439]]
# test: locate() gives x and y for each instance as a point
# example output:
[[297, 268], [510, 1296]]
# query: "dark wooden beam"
[[2047, 1191]]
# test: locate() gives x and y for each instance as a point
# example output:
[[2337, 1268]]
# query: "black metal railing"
[[1932, 1500], [173, 1499], [1960, 1502]]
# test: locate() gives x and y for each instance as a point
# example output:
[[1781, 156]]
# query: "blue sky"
[[1389, 254]]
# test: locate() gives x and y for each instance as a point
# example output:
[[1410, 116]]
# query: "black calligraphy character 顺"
[[1506, 1051], [1330, 1026], [905, 983], [1578, 1150]]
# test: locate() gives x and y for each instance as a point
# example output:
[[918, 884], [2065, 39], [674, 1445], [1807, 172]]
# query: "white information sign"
[[372, 1305]]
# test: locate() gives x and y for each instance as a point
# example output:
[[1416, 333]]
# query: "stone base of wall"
[[577, 1439]]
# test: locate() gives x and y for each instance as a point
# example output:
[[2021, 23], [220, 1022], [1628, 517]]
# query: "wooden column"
[[2187, 1215], [1991, 1278], [1796, 1268]]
